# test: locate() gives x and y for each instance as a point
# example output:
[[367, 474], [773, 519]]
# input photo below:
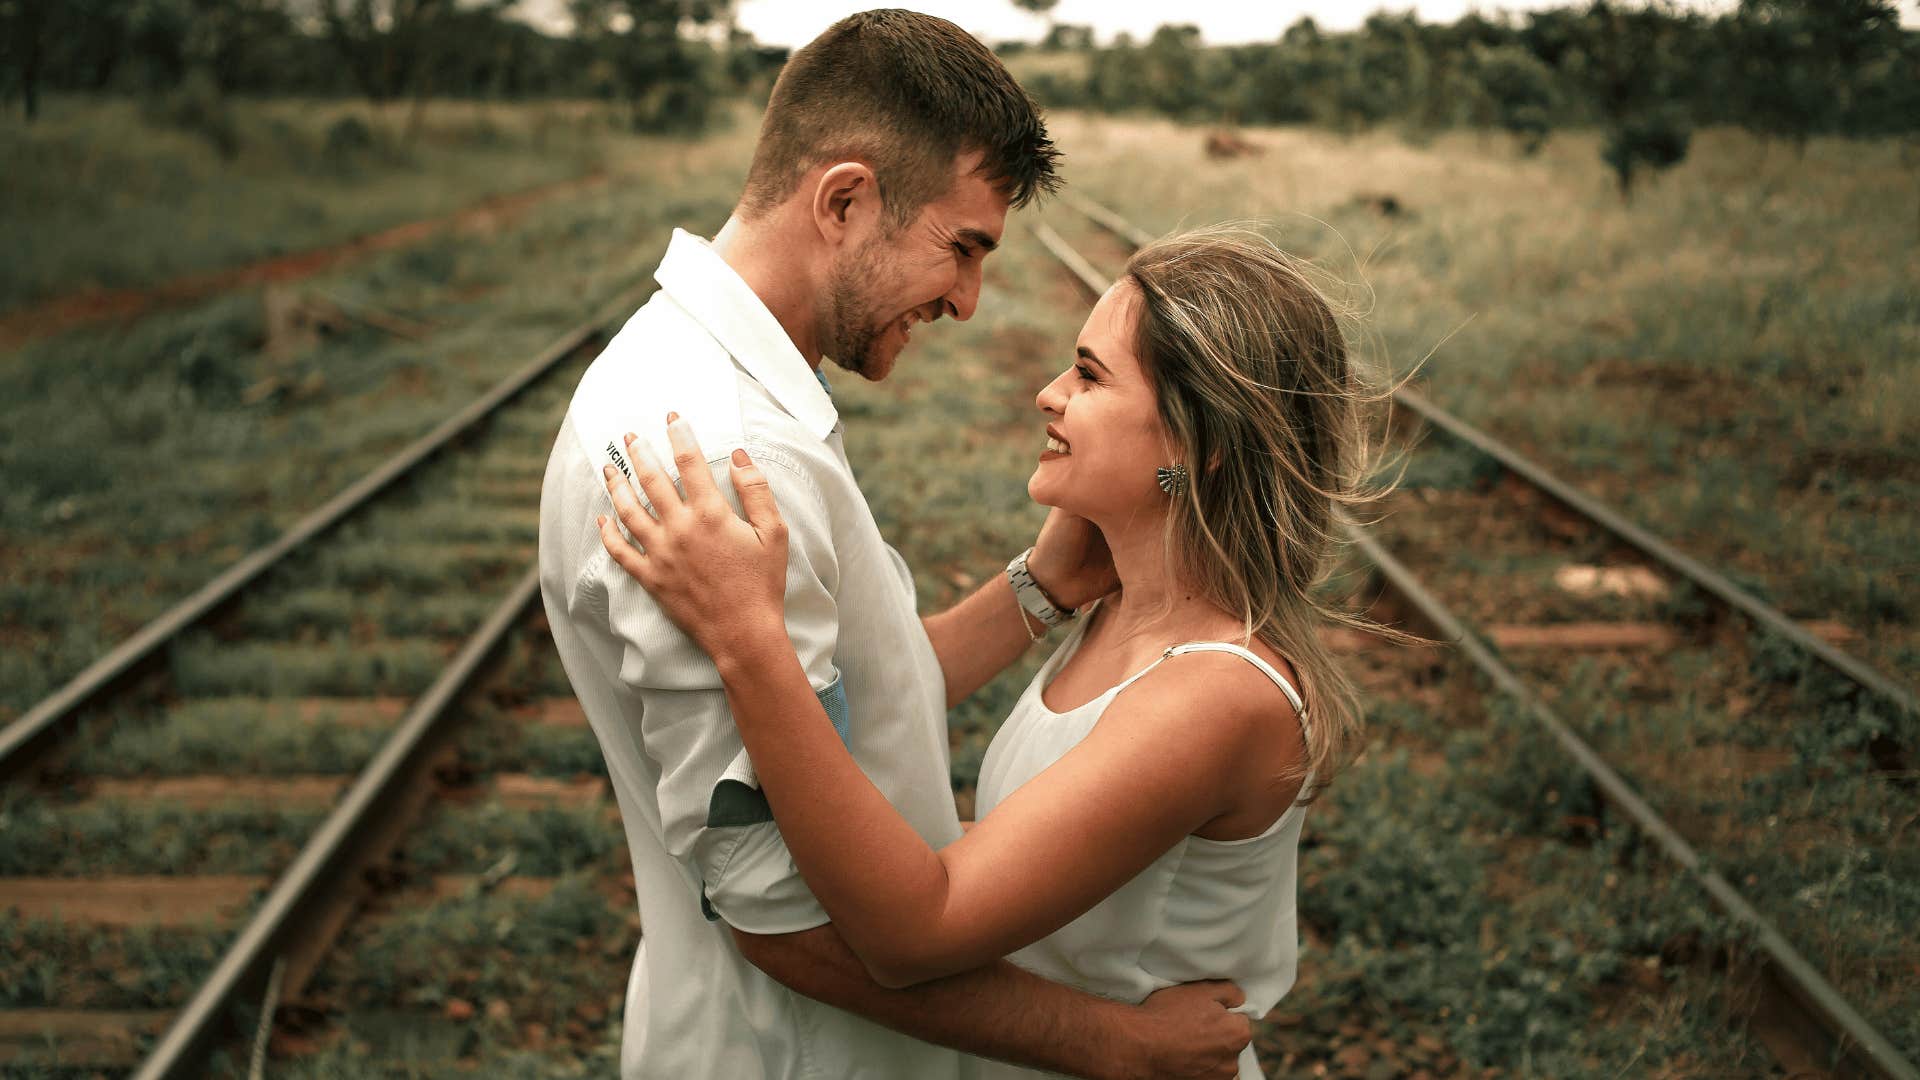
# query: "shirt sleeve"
[[713, 815]]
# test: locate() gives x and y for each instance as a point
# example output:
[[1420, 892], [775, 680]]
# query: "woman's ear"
[[845, 200]]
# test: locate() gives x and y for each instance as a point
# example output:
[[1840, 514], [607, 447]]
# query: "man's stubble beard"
[[851, 332]]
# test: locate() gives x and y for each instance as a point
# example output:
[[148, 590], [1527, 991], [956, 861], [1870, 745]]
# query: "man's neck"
[[756, 252]]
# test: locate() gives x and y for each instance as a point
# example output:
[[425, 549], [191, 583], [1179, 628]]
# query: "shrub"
[[196, 105], [1657, 139], [348, 140]]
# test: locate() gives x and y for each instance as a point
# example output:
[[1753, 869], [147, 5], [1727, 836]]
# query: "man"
[[892, 149]]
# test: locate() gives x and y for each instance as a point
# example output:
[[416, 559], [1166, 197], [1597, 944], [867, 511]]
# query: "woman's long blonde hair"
[[1275, 423]]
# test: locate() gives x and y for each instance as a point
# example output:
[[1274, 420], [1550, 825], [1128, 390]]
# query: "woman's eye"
[[1084, 372]]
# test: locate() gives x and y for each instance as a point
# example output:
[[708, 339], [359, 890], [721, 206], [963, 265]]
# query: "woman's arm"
[[1166, 757], [978, 637], [1170, 754]]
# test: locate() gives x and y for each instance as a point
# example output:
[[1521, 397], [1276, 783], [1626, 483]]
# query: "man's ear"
[[845, 201]]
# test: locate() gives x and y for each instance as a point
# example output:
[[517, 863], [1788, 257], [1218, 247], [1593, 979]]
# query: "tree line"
[[669, 59], [1646, 74]]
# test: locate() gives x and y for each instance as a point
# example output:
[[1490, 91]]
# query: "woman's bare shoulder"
[[1217, 697]]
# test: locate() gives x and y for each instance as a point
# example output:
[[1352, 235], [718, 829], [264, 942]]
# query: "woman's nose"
[[1051, 399]]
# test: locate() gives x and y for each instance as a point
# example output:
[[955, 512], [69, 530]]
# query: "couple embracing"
[[772, 708]]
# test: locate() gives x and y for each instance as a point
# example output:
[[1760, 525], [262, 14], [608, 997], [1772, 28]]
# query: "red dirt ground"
[[56, 314]]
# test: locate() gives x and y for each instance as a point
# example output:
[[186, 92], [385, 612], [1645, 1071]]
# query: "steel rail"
[[41, 723], [1853, 1035], [1660, 551], [1623, 529], [319, 866]]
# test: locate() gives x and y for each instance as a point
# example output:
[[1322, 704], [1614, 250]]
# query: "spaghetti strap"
[[1299, 706]]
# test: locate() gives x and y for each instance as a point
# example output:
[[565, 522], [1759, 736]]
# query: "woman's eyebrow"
[[1087, 354]]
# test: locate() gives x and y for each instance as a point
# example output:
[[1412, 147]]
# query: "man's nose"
[[961, 300]]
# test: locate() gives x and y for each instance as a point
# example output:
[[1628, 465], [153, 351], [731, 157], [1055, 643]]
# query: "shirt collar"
[[702, 283]]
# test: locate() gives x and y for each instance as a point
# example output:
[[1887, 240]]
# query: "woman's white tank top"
[[1207, 909]]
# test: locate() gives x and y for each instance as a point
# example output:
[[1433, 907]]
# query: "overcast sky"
[[1221, 22]]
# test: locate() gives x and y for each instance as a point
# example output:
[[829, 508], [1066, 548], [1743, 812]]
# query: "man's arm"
[[1002, 1012]]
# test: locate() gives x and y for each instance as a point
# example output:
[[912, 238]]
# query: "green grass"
[[417, 564], [92, 173], [400, 959], [542, 842], [202, 665], [54, 840], [1728, 360], [529, 669], [103, 968], [357, 1059], [328, 610], [1755, 752], [495, 740], [231, 735], [1461, 916], [121, 502]]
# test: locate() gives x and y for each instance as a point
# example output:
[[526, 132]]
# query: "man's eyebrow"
[[976, 238], [1087, 354]]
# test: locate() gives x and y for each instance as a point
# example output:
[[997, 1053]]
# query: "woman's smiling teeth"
[[1057, 446]]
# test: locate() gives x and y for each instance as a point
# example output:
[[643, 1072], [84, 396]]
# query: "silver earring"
[[1172, 481]]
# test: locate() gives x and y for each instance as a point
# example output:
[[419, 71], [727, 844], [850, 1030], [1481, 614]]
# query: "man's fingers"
[[695, 480], [756, 498], [1227, 994]]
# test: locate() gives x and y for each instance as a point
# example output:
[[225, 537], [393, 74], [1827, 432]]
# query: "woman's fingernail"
[[606, 471], [740, 457], [601, 521], [630, 437], [672, 416]]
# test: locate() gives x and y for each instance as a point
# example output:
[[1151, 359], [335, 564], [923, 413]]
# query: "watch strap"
[[1032, 598]]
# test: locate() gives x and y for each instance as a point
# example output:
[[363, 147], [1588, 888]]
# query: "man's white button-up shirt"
[[705, 851]]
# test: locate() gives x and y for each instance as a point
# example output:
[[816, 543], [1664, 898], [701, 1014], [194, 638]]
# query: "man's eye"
[[962, 250]]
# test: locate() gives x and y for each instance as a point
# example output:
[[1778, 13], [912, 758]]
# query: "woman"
[[1140, 810]]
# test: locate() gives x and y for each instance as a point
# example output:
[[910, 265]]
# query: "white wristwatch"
[[1032, 598]]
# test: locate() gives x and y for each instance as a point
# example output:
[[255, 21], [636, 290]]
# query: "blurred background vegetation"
[[1646, 73], [1672, 253], [285, 119]]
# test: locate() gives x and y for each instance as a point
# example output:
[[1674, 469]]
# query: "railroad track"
[[1612, 611], [328, 832], [355, 718]]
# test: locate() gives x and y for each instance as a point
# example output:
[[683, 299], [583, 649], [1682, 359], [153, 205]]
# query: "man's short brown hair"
[[905, 93]]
